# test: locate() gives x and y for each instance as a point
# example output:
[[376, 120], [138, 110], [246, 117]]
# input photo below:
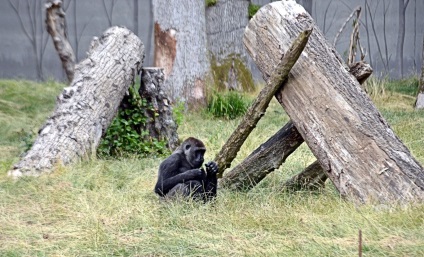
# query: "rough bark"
[[272, 154], [160, 120], [56, 26], [85, 109], [181, 48], [355, 146], [225, 23], [257, 109], [419, 103]]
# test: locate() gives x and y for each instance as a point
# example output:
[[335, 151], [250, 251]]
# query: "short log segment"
[[257, 109], [160, 120], [353, 143], [85, 109]]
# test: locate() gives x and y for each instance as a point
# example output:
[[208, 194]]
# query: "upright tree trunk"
[[401, 35], [225, 23], [351, 140], [419, 104], [56, 26], [181, 48], [85, 109]]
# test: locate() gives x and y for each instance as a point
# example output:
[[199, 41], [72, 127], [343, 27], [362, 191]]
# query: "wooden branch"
[[257, 109], [56, 26], [85, 109], [266, 158], [352, 141]]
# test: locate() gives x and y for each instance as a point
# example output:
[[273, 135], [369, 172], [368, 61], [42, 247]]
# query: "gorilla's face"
[[194, 155]]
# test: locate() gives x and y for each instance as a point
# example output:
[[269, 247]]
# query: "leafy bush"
[[210, 3], [253, 8], [125, 135], [228, 105]]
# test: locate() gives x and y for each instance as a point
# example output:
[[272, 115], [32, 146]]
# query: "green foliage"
[[126, 134], [229, 105], [178, 112], [253, 8], [210, 3]]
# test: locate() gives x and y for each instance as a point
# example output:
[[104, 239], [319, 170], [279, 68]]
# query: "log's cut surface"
[[85, 109], [355, 146]]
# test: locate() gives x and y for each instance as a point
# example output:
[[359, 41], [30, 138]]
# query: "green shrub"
[[228, 105], [210, 3], [253, 8], [126, 136]]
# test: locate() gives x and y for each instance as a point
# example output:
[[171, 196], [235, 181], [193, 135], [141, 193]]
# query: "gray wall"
[[17, 55]]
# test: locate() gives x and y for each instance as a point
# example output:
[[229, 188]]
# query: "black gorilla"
[[181, 174]]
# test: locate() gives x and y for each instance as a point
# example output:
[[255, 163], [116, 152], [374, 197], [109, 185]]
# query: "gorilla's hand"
[[194, 174], [211, 167]]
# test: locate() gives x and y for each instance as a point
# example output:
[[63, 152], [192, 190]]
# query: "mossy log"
[[85, 109], [353, 143], [257, 109]]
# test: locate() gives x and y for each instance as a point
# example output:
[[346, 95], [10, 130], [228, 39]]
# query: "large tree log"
[[56, 26], [272, 154], [257, 109], [353, 143], [85, 109]]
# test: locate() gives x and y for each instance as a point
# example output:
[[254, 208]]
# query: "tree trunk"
[[272, 154], [181, 48], [401, 35], [160, 120], [85, 109], [225, 23], [56, 26], [342, 127], [419, 104], [257, 109]]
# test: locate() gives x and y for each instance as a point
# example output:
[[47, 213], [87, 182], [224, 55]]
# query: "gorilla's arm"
[[211, 180]]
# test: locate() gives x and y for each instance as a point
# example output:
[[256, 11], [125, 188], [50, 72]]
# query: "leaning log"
[[257, 109], [353, 143], [85, 109], [272, 154]]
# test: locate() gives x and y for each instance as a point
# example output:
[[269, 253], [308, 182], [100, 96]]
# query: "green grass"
[[108, 208]]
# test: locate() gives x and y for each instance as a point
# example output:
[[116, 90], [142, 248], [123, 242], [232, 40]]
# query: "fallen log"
[[257, 109], [353, 143], [85, 109], [272, 154]]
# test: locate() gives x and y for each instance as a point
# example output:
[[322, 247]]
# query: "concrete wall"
[[89, 18]]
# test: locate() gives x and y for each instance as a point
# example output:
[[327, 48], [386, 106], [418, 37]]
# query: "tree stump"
[[160, 120], [85, 109], [353, 143]]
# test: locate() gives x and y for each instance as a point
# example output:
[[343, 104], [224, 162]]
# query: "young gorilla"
[[181, 173]]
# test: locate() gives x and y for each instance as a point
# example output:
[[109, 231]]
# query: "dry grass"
[[108, 208]]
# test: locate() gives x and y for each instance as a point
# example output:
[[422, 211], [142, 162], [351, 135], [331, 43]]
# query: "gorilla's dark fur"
[[181, 173]]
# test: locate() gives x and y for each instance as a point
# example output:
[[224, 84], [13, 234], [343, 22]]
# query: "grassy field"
[[108, 208]]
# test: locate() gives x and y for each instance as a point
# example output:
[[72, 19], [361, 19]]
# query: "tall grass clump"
[[376, 87], [228, 105]]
